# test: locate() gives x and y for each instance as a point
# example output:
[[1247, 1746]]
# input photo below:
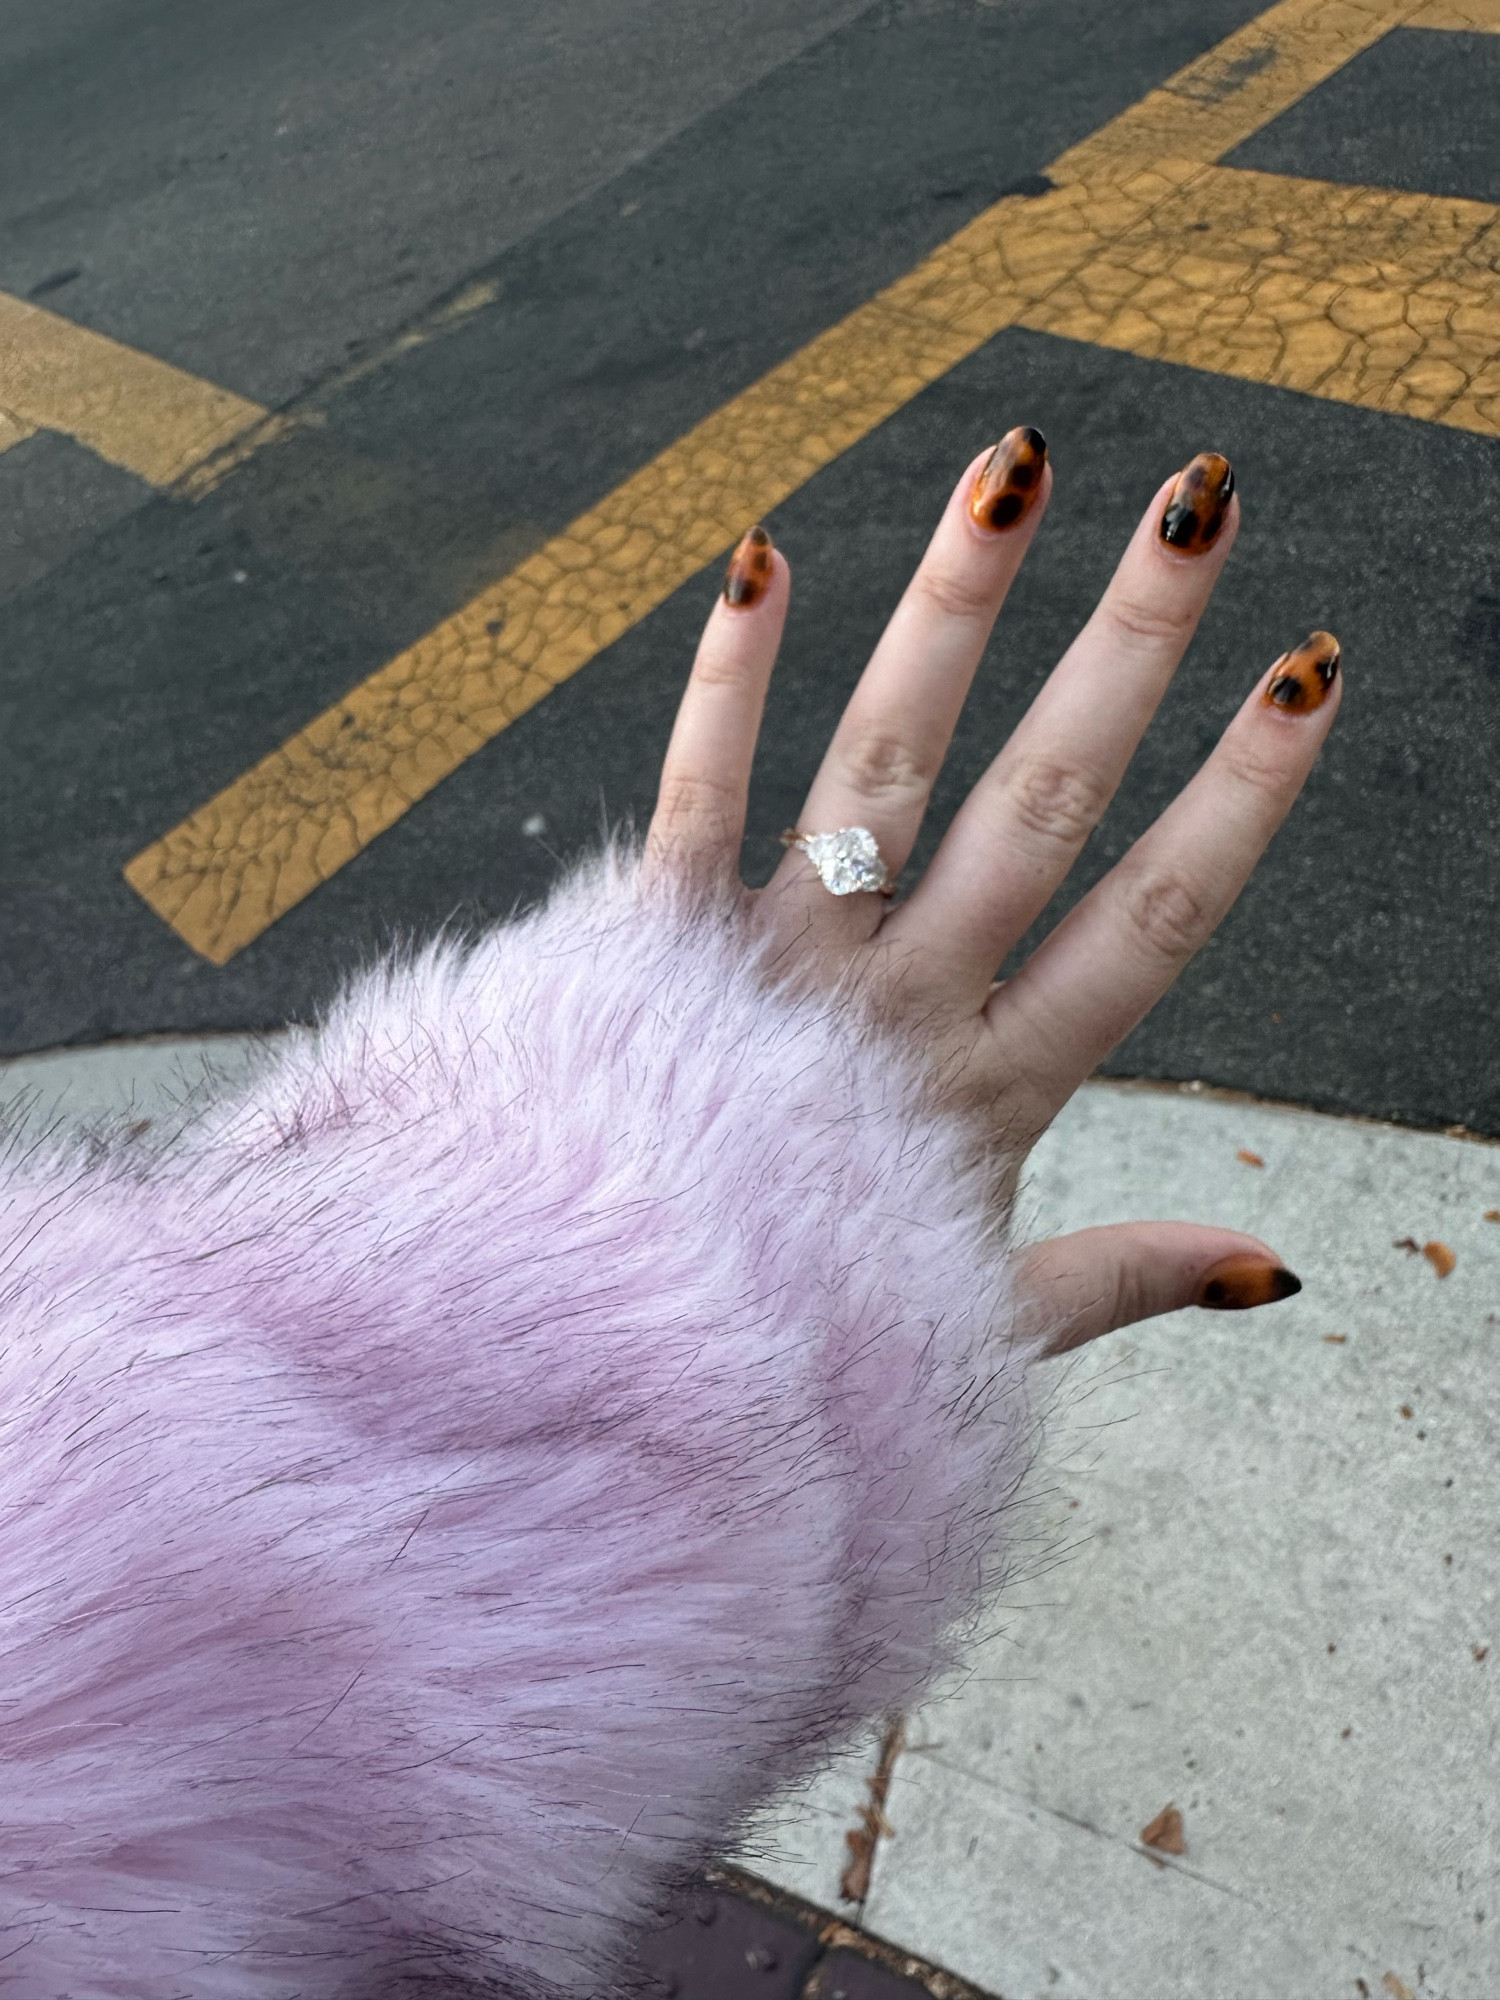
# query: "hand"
[[1011, 1054]]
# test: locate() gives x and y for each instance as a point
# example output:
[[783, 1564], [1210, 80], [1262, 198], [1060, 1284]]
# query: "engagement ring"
[[847, 861]]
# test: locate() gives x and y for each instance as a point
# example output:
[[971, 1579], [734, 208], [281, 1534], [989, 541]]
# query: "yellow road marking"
[[154, 420], [1361, 295], [13, 430], [1477, 16], [269, 839], [1388, 300]]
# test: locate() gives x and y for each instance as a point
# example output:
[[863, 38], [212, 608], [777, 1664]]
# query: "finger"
[[1021, 828], [699, 822], [1113, 956], [1090, 1283], [893, 736]]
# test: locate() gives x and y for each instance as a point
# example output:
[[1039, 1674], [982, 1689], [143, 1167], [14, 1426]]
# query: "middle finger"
[[1020, 830]]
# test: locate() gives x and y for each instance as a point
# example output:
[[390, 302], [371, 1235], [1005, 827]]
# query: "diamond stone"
[[847, 861]]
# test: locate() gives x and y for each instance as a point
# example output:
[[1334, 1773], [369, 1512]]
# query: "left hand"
[[1009, 1055]]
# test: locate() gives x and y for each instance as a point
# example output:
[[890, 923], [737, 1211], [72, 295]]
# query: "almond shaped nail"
[[1009, 480], [1236, 1283], [1300, 681], [748, 577], [1198, 504]]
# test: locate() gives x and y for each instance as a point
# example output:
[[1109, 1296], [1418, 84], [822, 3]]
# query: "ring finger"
[[1114, 955], [892, 738], [1021, 828]]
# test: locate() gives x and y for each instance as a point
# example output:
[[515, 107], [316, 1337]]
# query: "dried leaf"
[[837, 1936], [1336, 1339], [1492, 1215], [1165, 1832], [1480, 1652], [1406, 1410], [1397, 1988], [862, 1840], [1250, 1159], [854, 1883], [1440, 1257], [1409, 1244]]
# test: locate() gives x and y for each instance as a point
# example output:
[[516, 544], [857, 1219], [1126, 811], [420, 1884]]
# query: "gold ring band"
[[848, 862]]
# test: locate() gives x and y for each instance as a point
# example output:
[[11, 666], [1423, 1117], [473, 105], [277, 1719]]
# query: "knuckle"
[[1254, 772], [952, 594], [1128, 1302], [877, 766], [1168, 913], [1150, 622], [1059, 802], [722, 667], [1137, 1292], [691, 797]]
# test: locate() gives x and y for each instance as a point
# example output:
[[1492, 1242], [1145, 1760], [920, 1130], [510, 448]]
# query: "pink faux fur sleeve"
[[444, 1491]]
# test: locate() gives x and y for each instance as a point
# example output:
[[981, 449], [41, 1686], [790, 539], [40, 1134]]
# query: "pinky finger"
[[699, 820], [1082, 1286]]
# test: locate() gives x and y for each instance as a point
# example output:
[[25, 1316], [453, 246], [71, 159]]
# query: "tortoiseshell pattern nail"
[[1236, 1283], [1300, 681], [1198, 505], [750, 570], [1010, 479]]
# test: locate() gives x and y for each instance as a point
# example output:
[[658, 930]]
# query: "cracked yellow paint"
[[1387, 300], [1477, 16], [249, 855], [140, 413], [1361, 295]]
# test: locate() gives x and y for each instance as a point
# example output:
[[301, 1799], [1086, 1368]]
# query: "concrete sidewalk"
[[120, 1083], [1272, 1602], [1265, 1590]]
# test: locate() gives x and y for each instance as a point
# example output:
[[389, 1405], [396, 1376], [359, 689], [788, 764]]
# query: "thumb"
[[1095, 1280]]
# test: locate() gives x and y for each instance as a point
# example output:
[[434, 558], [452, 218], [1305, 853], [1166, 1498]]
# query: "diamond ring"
[[846, 861]]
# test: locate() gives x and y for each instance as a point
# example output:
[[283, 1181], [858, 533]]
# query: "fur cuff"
[[436, 1501]]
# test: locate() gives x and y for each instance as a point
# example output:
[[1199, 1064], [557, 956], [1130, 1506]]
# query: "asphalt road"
[[664, 203]]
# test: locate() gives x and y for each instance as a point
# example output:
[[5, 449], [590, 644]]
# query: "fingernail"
[[1010, 479], [1237, 1282], [1198, 505], [1300, 681], [749, 575]]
